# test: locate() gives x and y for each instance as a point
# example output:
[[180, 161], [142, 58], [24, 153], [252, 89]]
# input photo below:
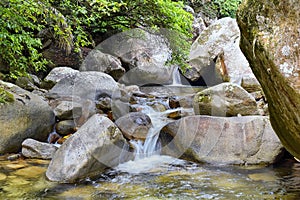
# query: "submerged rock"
[[270, 39], [25, 116], [97, 145], [222, 140], [134, 125], [226, 99]]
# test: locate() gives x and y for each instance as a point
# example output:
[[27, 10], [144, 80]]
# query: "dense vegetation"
[[26, 26]]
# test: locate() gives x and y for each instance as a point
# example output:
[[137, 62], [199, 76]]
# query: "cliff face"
[[270, 40]]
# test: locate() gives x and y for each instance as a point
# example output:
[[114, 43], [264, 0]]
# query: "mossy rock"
[[5, 96]]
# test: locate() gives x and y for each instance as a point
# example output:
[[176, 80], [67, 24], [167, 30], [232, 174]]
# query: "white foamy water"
[[153, 163]]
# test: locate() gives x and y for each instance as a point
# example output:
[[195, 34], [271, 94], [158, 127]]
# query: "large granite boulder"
[[85, 85], [222, 140], [225, 99], [97, 145], [137, 46], [102, 62], [143, 54], [270, 39], [215, 56], [26, 116]]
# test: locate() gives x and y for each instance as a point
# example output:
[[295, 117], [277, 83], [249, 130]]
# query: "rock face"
[[35, 149], [136, 46], [86, 85], [102, 62], [143, 54], [134, 125], [98, 144], [221, 140], [270, 40], [218, 43], [28, 116], [225, 99]]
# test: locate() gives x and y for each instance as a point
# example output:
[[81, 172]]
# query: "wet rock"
[[181, 101], [68, 110], [65, 127], [85, 85], [56, 74], [102, 62], [222, 140], [31, 172], [97, 145], [26, 116], [35, 149], [226, 99], [270, 41], [218, 42], [134, 125]]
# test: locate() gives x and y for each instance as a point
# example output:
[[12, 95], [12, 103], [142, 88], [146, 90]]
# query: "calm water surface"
[[157, 177]]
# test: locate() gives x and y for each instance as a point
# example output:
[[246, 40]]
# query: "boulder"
[[97, 145], [35, 149], [270, 41], [137, 46], [26, 116], [56, 74], [102, 62], [86, 85], [222, 140], [218, 43], [149, 74], [226, 99], [134, 125]]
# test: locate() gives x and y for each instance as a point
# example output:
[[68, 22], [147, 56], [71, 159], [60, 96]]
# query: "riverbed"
[[155, 177]]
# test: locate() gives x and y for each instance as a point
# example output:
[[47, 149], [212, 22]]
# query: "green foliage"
[[5, 96], [26, 24], [216, 8], [20, 23]]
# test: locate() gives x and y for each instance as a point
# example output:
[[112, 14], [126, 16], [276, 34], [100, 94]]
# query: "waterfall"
[[176, 76], [151, 146]]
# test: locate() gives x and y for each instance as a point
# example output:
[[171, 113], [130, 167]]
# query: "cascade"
[[176, 77]]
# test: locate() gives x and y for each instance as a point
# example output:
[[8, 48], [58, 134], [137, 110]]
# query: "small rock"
[[65, 127], [35, 149]]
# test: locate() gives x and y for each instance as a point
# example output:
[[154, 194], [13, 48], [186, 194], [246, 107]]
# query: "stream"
[[154, 176]]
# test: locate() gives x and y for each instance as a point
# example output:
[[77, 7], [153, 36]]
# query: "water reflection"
[[168, 179]]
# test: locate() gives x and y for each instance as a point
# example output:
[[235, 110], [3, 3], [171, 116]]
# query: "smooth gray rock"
[[222, 140], [226, 99], [86, 85], [35, 149], [102, 62], [28, 116], [97, 145]]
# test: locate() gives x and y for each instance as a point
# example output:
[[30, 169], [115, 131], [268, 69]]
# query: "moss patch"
[[5, 96]]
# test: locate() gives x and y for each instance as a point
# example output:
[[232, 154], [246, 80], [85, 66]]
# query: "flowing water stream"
[[154, 176]]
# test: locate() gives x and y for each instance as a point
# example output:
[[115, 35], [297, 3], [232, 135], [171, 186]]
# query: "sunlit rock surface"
[[222, 140], [270, 39], [97, 145]]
